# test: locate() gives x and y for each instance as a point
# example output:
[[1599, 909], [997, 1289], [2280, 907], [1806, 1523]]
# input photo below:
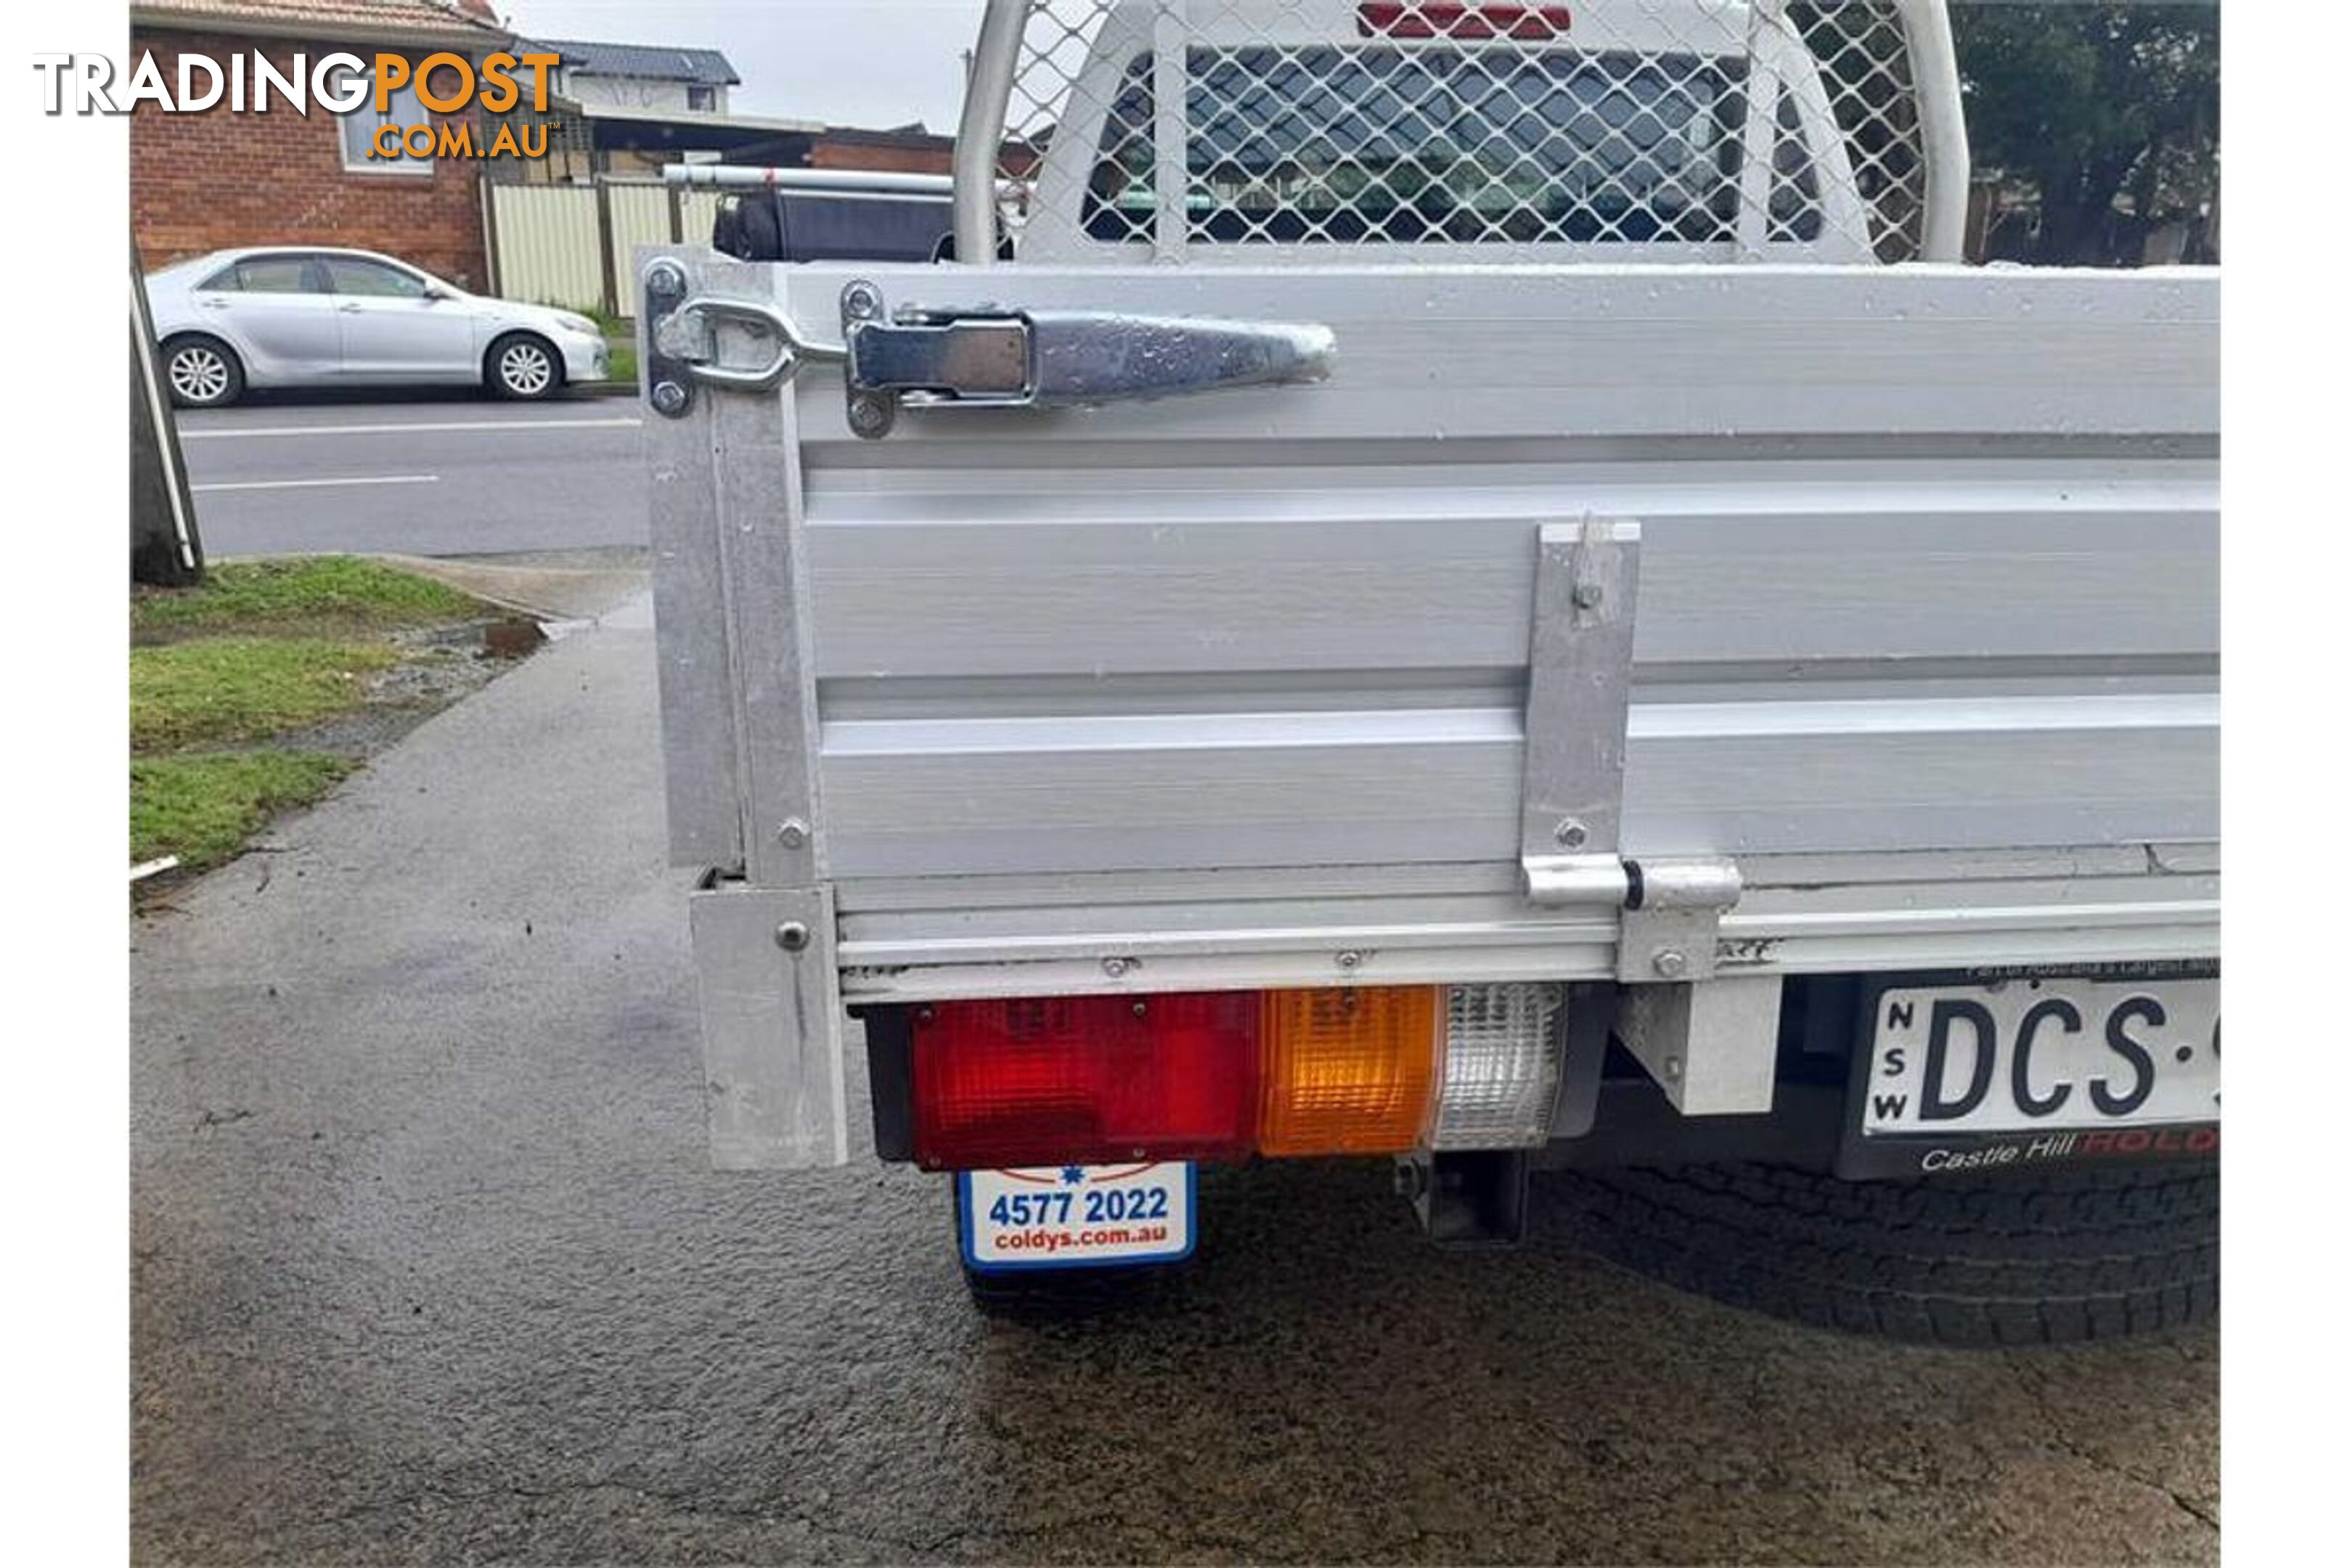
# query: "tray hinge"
[[1710, 1041], [1674, 909]]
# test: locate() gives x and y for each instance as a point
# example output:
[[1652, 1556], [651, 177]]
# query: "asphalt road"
[[424, 474], [428, 1267]]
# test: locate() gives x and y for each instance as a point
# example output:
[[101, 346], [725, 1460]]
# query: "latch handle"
[[993, 356], [1061, 359], [1098, 356]]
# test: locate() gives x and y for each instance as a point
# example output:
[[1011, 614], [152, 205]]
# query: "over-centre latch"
[[994, 357]]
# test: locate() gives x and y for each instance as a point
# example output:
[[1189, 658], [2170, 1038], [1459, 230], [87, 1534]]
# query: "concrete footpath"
[[428, 1267]]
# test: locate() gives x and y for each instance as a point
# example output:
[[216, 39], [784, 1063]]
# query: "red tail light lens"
[[1459, 19], [1091, 1079]]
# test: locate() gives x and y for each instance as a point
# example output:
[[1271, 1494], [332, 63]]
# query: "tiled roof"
[[438, 19], [704, 68]]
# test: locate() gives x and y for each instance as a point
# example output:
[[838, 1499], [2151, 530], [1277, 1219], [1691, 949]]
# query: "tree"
[[2104, 110]]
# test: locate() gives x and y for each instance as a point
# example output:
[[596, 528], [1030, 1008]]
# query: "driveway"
[[428, 1267], [444, 474]]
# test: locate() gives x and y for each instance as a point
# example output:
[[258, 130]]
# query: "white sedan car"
[[288, 316]]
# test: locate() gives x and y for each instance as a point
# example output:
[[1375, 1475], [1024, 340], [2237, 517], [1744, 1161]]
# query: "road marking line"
[[315, 484], [391, 430]]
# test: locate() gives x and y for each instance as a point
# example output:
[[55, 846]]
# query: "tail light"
[[1220, 1075], [1090, 1079], [1459, 19]]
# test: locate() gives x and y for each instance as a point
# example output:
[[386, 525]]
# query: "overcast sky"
[[846, 62]]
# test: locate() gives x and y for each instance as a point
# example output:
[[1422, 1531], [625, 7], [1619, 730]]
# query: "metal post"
[[1943, 127], [605, 246], [821, 182], [1759, 130], [490, 263], [164, 546], [980, 134], [1170, 220]]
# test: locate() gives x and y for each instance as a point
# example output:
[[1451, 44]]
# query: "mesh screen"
[[1664, 128]]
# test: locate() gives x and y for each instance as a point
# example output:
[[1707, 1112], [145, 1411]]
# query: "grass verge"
[[232, 682], [321, 595], [203, 808], [216, 689]]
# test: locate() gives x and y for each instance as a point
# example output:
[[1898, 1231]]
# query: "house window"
[[704, 99], [359, 128]]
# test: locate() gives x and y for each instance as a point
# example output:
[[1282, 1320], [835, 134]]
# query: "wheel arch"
[[166, 341]]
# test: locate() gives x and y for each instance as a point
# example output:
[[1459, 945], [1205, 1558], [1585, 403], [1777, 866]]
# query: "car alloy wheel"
[[199, 373], [525, 369]]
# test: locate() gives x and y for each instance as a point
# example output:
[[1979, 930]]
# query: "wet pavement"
[[429, 1267]]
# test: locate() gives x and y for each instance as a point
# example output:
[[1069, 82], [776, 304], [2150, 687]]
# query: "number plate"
[[2044, 1055], [1075, 1216]]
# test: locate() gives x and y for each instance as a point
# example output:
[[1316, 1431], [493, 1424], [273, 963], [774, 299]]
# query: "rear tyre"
[[524, 367], [202, 371], [2064, 1256]]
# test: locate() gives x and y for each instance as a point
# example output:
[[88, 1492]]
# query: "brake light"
[[1459, 19], [1090, 1079], [1218, 1075]]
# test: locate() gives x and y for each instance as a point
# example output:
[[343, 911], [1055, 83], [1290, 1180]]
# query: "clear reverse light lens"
[[1501, 1069]]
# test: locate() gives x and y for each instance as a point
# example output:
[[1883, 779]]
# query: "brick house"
[[213, 179]]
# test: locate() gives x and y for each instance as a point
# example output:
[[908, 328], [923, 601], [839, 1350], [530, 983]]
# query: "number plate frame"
[[982, 1240], [1862, 1156]]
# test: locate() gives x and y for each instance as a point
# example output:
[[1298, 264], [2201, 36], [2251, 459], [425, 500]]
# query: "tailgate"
[[1920, 629]]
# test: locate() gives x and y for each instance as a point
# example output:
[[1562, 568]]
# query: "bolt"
[[791, 936], [1350, 959], [669, 398], [1409, 1178], [1670, 963], [665, 278], [792, 834], [870, 415], [1571, 833], [1140, 1009], [862, 301], [1675, 1067], [1588, 595], [1115, 967]]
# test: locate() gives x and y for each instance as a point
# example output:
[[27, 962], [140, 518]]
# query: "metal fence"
[[569, 245]]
